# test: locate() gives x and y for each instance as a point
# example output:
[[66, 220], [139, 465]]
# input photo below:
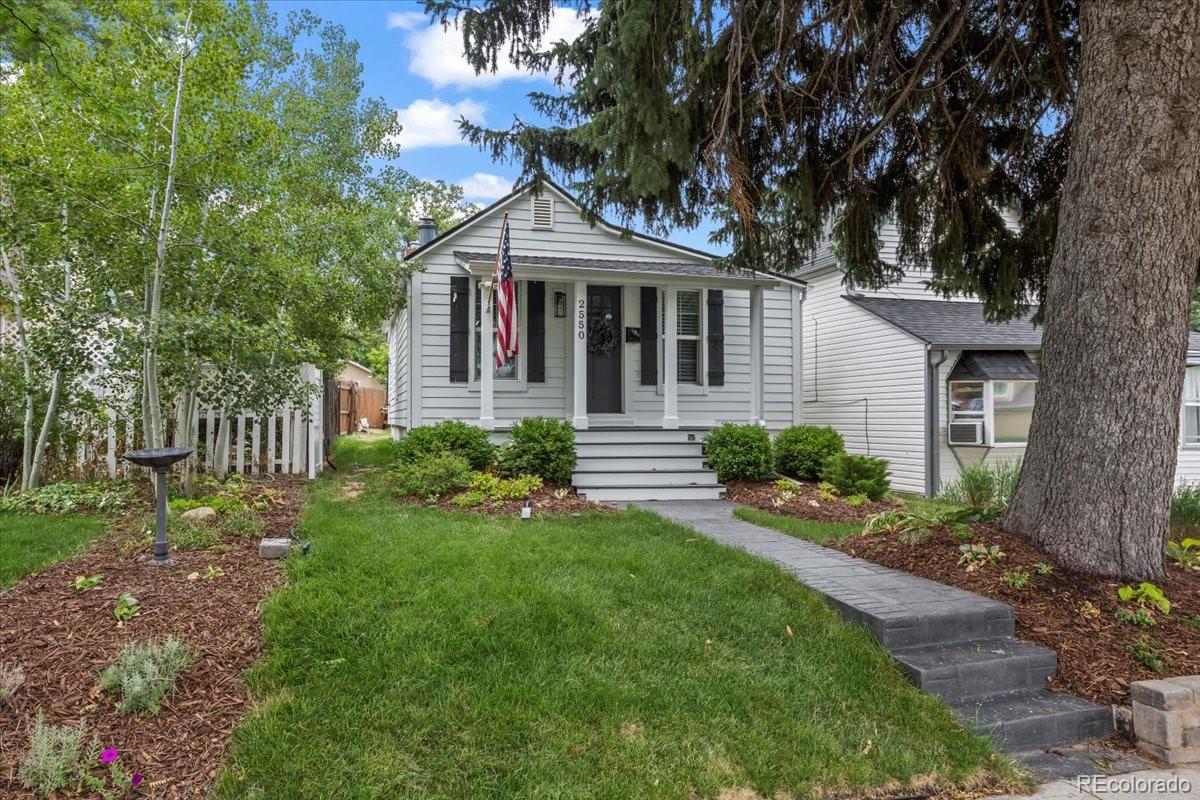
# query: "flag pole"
[[496, 262]]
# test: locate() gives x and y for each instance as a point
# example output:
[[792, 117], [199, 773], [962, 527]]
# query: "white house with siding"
[[642, 344], [925, 382]]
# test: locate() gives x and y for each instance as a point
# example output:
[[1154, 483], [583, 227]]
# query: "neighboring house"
[[354, 372], [925, 382], [642, 344]]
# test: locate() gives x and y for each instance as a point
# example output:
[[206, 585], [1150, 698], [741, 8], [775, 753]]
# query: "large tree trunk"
[[1096, 484]]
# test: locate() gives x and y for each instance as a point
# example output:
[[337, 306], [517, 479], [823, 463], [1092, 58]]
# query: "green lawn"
[[29, 542], [812, 530], [423, 654]]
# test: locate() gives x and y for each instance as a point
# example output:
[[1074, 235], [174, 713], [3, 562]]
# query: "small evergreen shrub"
[[11, 679], [853, 474], [431, 475], [450, 436], [739, 452], [802, 450], [144, 674], [540, 446]]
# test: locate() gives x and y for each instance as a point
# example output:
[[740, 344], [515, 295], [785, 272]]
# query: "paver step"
[[584, 479], [654, 463], [1035, 718], [895, 630], [977, 668], [623, 494]]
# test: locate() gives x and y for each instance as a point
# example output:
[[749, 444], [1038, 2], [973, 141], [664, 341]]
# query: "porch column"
[[579, 355], [487, 361], [671, 360], [756, 355]]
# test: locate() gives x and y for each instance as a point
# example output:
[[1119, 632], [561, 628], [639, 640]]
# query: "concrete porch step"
[[638, 436], [639, 463], [584, 479], [1035, 718], [978, 667], [637, 449], [624, 494]]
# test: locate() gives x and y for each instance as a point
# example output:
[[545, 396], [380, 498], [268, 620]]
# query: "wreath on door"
[[602, 337]]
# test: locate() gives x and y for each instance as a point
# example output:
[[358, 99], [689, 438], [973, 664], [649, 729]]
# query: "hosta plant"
[[1016, 578], [1146, 595], [127, 608], [1185, 553], [978, 556]]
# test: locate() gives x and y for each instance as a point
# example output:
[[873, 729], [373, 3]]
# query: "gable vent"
[[542, 213]]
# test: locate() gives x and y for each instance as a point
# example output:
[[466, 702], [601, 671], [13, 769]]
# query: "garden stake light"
[[160, 460]]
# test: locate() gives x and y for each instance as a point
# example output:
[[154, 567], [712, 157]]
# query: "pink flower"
[[109, 755], [137, 779]]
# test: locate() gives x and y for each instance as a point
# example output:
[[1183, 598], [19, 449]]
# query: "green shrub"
[[802, 450], [67, 496], [218, 503], [739, 452], [431, 475], [540, 446], [450, 436], [1185, 508], [144, 674], [853, 474], [242, 523]]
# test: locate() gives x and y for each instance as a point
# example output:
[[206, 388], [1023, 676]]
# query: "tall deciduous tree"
[[777, 115]]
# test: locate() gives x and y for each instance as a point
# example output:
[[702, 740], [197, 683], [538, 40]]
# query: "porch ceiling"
[[573, 268]]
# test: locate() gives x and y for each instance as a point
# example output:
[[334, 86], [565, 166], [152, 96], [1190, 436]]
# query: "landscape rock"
[[203, 514], [274, 548]]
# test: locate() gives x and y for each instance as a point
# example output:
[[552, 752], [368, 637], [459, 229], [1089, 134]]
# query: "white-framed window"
[[514, 369], [1191, 407], [691, 326], [1004, 409]]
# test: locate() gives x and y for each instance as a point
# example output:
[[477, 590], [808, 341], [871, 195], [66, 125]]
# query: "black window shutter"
[[459, 328], [649, 336], [535, 295], [716, 337]]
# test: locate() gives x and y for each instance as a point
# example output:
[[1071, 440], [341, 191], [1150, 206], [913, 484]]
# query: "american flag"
[[506, 303]]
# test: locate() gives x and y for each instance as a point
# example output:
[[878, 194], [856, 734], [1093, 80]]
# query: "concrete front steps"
[[633, 464]]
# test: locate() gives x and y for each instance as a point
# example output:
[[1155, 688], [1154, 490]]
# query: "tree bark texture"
[[1096, 484]]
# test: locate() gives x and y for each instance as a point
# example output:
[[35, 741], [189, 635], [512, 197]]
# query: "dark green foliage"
[[853, 474], [801, 451], [1185, 509], [450, 436], [540, 446], [739, 452], [430, 475], [934, 116]]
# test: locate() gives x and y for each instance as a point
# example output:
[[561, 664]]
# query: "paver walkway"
[[949, 642]]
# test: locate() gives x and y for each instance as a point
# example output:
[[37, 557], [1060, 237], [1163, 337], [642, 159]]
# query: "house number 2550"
[[581, 321]]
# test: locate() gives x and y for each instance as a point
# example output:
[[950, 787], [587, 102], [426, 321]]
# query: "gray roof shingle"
[[694, 269], [950, 323]]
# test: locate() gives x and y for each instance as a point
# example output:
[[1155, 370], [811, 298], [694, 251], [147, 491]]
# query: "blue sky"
[[418, 69]]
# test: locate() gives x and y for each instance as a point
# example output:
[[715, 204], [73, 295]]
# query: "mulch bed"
[[1093, 659], [63, 638], [544, 502], [805, 504]]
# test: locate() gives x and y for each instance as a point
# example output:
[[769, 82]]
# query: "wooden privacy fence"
[[354, 402]]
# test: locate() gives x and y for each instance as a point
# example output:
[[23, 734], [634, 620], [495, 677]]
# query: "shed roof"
[[994, 365], [953, 324]]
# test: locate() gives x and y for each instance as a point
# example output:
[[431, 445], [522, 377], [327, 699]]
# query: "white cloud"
[[434, 123], [485, 186], [436, 53]]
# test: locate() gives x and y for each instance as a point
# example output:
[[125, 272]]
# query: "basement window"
[[991, 397]]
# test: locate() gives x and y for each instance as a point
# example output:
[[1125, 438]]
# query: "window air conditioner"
[[969, 432]]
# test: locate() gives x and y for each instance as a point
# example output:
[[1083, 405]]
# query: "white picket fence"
[[287, 441]]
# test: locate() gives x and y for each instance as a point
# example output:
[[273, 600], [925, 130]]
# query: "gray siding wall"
[[398, 360], [440, 399]]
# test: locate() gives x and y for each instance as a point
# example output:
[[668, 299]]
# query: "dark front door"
[[604, 350]]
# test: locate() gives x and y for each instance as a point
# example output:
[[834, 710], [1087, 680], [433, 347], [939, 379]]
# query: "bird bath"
[[160, 460]]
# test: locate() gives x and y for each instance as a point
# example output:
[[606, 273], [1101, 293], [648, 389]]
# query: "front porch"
[[642, 345]]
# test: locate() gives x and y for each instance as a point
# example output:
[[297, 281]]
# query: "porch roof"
[[580, 267]]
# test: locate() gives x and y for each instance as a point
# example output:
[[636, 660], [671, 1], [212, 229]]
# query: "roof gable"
[[952, 323], [666, 248]]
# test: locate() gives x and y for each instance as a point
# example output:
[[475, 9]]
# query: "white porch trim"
[[487, 361], [670, 359], [579, 353]]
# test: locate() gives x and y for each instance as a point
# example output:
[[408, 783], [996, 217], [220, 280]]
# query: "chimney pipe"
[[426, 230]]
